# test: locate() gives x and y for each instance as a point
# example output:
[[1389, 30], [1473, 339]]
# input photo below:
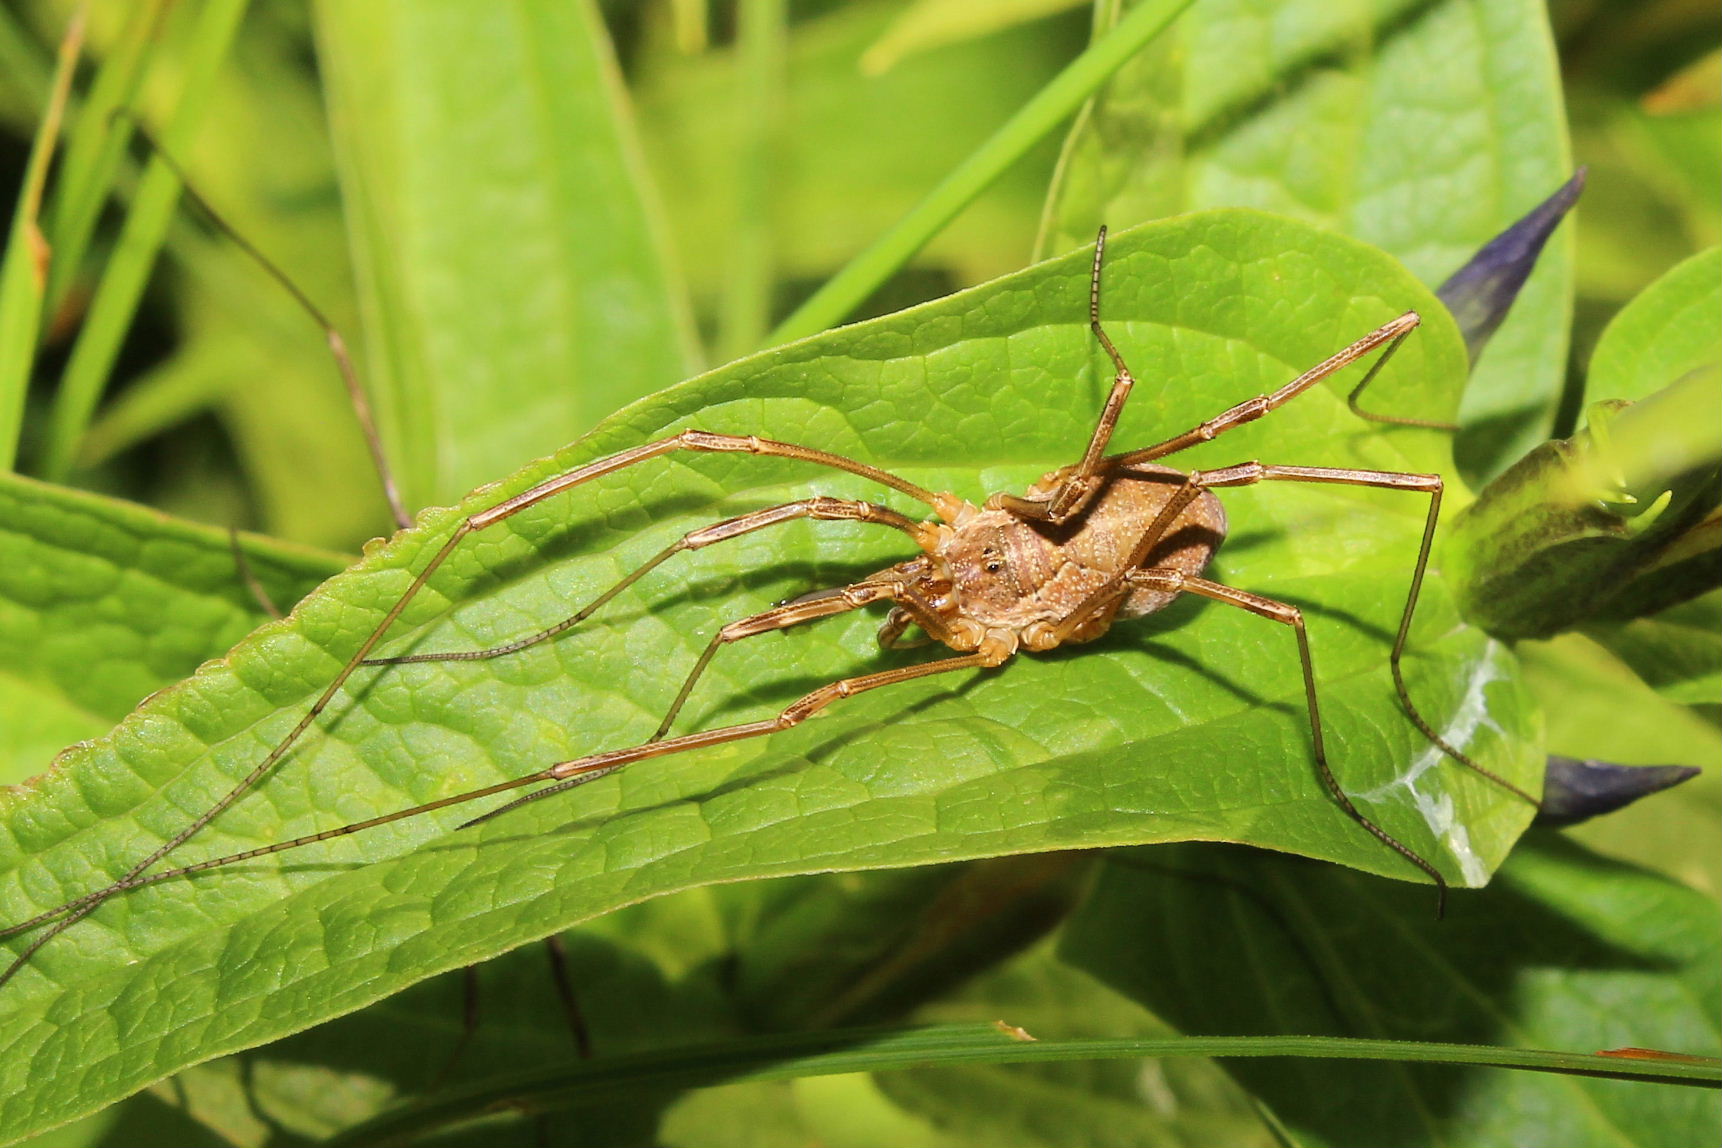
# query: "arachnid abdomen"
[[1009, 574]]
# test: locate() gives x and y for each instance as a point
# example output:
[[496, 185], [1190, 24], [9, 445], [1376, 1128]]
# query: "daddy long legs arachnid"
[[1189, 721]]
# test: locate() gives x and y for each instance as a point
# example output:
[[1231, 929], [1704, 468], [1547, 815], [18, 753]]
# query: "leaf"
[[1667, 332], [1190, 725], [1425, 129], [103, 602], [1568, 951], [1674, 651], [512, 269]]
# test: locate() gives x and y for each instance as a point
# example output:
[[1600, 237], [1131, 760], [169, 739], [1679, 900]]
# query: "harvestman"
[[1109, 537]]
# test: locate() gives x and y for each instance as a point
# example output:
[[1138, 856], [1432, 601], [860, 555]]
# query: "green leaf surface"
[[1677, 651], [646, 980], [1669, 330], [1424, 128], [511, 265], [103, 602], [1188, 725], [1567, 951]]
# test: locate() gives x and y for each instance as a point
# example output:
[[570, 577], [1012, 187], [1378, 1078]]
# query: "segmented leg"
[[1173, 581], [808, 608], [1245, 474], [881, 587], [1249, 473], [1085, 478], [566, 775], [819, 508], [1250, 410], [691, 440]]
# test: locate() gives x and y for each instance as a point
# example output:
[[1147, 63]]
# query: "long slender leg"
[[249, 576], [692, 440], [1248, 473], [1174, 581], [337, 345], [1085, 477], [1392, 333], [566, 774], [1244, 474], [819, 508], [1252, 472], [569, 774], [807, 608]]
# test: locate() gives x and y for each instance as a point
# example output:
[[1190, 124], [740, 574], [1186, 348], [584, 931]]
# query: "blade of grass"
[[95, 148], [24, 274], [24, 74], [117, 298], [1051, 106], [760, 65], [876, 1050]]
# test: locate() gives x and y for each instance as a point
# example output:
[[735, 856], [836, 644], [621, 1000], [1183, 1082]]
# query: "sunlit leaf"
[[1188, 726]]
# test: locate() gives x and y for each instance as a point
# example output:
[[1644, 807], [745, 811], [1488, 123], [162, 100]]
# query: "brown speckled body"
[[1012, 581]]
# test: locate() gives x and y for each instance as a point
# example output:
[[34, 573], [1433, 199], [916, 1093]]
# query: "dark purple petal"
[[1576, 790], [1482, 292]]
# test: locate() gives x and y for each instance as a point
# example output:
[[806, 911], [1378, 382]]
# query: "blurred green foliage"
[[523, 224]]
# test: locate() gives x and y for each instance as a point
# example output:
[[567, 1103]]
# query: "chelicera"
[[1109, 537]]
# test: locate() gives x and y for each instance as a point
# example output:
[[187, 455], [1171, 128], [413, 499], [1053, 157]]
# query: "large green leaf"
[[1187, 726], [512, 270], [1424, 128], [103, 602], [1666, 332], [1568, 952], [1676, 650]]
